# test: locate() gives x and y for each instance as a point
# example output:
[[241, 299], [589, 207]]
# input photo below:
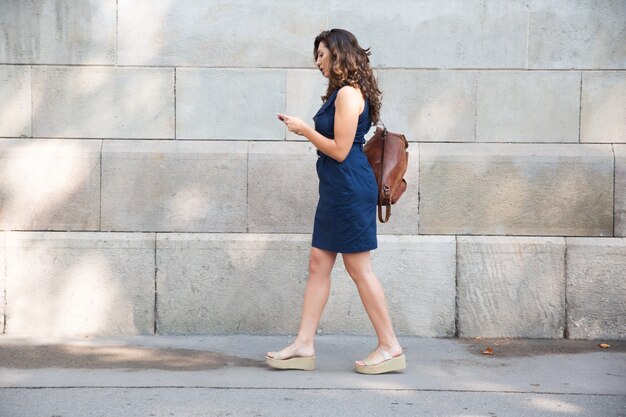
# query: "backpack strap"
[[387, 212]]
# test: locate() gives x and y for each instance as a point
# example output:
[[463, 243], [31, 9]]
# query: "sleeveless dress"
[[345, 218]]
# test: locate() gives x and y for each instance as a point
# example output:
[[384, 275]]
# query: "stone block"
[[620, 190], [58, 32], [229, 104], [596, 288], [49, 184], [436, 34], [174, 186], [225, 33], [576, 34], [304, 91], [282, 187], [196, 294], [519, 189], [3, 282], [429, 106], [15, 101], [522, 106], [603, 112], [511, 286], [103, 102], [69, 284], [418, 276], [230, 283]]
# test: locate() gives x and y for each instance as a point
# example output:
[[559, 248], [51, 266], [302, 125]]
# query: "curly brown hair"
[[350, 65]]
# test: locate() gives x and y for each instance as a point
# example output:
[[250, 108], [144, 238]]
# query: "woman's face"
[[323, 59]]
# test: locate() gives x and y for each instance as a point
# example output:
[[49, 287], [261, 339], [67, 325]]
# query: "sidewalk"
[[225, 376]]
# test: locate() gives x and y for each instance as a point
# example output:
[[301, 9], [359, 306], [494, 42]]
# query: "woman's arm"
[[347, 106]]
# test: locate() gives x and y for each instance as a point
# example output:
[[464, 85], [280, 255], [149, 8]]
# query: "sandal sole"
[[390, 365], [298, 363]]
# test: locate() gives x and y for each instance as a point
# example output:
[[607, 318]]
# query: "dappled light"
[[437, 118], [38, 178], [187, 206], [554, 405], [14, 116], [86, 301], [61, 295]]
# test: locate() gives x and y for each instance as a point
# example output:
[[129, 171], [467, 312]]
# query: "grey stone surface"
[[58, 32], [229, 104], [620, 190], [576, 34], [51, 184], [522, 106], [225, 33], [436, 34], [520, 189], [3, 281], [511, 286], [230, 283], [418, 276], [429, 106], [103, 102], [79, 283], [596, 288], [174, 186], [15, 100], [603, 113], [304, 91], [282, 187], [197, 296]]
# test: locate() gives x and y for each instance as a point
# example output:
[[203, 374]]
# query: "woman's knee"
[[359, 267], [321, 262]]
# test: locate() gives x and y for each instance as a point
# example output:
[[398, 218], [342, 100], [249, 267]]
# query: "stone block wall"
[[146, 186]]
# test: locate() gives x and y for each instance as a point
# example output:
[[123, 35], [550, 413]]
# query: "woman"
[[345, 219]]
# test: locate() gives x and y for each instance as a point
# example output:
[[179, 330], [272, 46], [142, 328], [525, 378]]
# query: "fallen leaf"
[[604, 345], [488, 351]]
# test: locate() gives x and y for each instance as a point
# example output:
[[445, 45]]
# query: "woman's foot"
[[294, 356], [294, 350], [382, 360]]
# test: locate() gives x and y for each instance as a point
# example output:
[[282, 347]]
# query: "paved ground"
[[225, 376]]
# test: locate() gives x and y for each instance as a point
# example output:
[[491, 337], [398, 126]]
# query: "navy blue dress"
[[345, 218]]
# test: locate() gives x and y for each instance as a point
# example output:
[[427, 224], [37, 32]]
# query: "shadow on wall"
[[60, 283]]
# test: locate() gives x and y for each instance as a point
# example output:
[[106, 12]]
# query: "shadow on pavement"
[[103, 357]]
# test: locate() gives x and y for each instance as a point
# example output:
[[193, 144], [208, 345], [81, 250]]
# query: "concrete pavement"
[[225, 376]]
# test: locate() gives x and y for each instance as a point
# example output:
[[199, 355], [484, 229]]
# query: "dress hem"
[[364, 248]]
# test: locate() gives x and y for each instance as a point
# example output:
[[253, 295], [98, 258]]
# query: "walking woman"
[[345, 218]]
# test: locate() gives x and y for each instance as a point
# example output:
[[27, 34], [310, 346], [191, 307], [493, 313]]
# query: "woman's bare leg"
[[359, 266], [315, 297]]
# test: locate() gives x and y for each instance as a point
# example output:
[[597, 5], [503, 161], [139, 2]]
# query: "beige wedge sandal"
[[302, 363], [389, 364]]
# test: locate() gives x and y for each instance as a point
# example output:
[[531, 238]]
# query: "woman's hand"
[[294, 124]]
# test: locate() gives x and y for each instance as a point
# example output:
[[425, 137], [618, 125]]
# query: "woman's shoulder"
[[349, 95], [348, 91]]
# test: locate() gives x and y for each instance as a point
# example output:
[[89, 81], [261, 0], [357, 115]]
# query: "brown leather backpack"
[[386, 153]]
